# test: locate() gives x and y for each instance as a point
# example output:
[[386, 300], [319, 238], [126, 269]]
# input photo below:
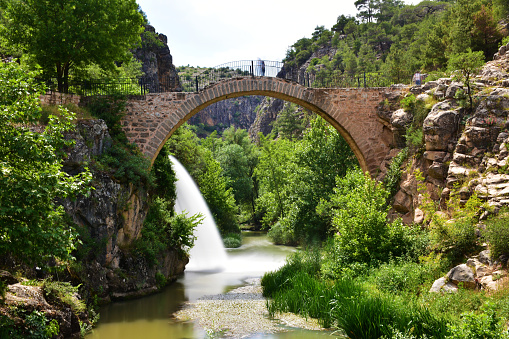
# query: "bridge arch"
[[151, 119]]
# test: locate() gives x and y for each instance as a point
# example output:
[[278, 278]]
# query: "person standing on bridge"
[[261, 67]]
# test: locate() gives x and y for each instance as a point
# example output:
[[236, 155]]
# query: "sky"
[[209, 33]]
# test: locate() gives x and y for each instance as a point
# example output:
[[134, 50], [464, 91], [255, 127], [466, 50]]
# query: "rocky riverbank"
[[239, 313]]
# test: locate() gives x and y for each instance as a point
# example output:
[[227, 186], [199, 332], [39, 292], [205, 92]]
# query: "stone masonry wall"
[[151, 119]]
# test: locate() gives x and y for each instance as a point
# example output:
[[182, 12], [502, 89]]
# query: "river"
[[151, 317]]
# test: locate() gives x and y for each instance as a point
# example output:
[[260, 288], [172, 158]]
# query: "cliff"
[[238, 112], [464, 152], [110, 220], [157, 61]]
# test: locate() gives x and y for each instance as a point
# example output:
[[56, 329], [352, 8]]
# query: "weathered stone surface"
[[484, 257], [437, 170], [91, 139], [462, 274], [453, 89], [443, 285], [402, 202], [440, 126], [401, 118], [418, 216], [435, 155]]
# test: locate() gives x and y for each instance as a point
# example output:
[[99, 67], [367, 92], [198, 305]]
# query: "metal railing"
[[209, 76]]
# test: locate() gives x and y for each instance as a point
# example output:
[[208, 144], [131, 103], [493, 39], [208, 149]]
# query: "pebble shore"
[[240, 313]]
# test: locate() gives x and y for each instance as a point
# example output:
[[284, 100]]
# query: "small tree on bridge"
[[62, 34]]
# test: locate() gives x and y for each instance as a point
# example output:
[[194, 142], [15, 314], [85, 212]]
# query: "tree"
[[235, 167], [32, 224], [367, 9], [466, 64], [501, 8], [486, 34], [341, 23], [289, 123], [62, 34]]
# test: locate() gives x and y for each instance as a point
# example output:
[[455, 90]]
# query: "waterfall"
[[208, 253]]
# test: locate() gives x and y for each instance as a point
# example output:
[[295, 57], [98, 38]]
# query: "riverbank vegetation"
[[371, 278]]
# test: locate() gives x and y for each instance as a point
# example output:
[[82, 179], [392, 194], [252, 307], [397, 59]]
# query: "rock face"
[[113, 216], [157, 62], [266, 115], [238, 112]]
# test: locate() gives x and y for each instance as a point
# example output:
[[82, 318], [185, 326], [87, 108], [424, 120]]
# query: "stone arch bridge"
[[152, 118]]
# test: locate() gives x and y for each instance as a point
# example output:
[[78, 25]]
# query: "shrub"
[[497, 233], [64, 292], [485, 325], [127, 164], [397, 277], [232, 240], [393, 175], [111, 110]]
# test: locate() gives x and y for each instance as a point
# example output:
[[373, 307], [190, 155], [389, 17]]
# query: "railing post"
[[252, 68], [365, 80], [196, 79]]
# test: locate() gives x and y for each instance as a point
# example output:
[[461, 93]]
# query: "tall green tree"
[[32, 224], [467, 63], [62, 34]]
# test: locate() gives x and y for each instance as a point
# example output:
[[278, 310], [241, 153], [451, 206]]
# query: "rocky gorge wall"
[[465, 152], [111, 218]]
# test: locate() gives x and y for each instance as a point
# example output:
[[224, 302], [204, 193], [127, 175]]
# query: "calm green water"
[[150, 317]]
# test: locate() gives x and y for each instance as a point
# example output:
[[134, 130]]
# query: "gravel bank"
[[240, 313]]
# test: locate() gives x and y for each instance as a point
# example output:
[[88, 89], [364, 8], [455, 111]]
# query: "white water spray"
[[208, 253]]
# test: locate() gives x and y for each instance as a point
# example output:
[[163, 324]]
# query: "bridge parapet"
[[226, 72]]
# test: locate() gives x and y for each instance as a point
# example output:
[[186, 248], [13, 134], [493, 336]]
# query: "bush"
[[393, 175], [497, 234], [163, 230], [65, 293], [397, 277], [486, 325], [232, 240], [127, 164]]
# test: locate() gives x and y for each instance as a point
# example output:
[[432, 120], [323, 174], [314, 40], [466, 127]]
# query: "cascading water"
[[208, 253]]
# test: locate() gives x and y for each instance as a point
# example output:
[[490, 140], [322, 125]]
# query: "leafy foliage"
[[497, 234], [163, 229], [64, 293], [485, 325], [64, 34], [467, 63], [32, 225]]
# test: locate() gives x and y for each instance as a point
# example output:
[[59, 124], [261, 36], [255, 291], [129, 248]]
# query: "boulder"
[[402, 202], [429, 85], [440, 126], [7, 278], [401, 118], [442, 285], [452, 89], [462, 274], [437, 170], [418, 216]]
